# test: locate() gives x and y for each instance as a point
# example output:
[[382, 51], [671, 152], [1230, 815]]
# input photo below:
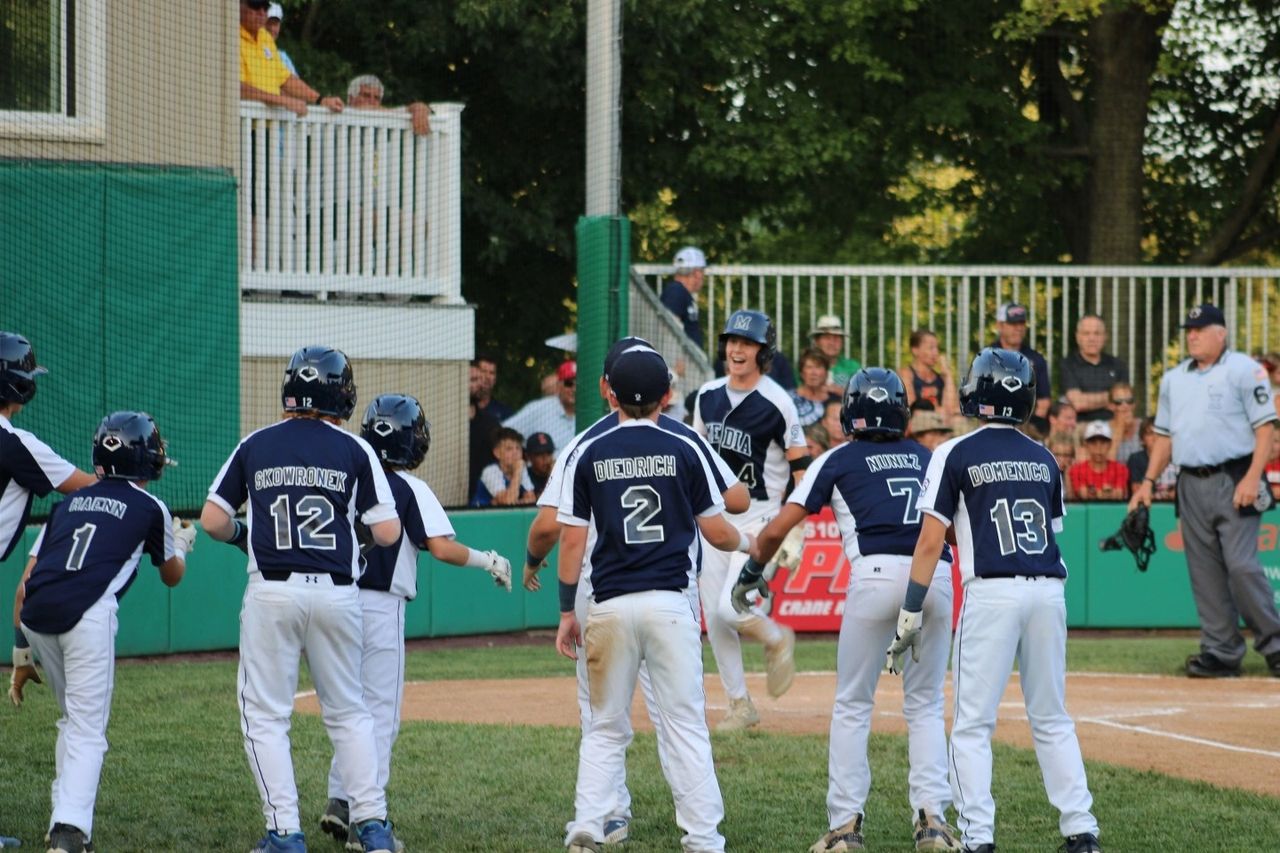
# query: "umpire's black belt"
[[1210, 470], [284, 575]]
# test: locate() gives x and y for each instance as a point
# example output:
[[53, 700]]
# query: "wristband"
[[751, 572], [239, 533], [1151, 480], [20, 639], [914, 602], [568, 595], [744, 543], [476, 559], [530, 560]]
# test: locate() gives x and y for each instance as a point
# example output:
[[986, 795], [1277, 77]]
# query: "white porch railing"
[[351, 202]]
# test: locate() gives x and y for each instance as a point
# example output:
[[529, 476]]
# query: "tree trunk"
[[1124, 44]]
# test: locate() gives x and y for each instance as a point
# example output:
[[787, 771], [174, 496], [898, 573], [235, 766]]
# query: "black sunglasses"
[[257, 4], [1123, 401]]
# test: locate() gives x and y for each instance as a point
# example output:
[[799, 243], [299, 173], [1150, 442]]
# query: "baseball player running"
[[306, 481], [85, 560], [647, 492], [872, 484], [545, 530], [753, 425], [399, 434], [1002, 494]]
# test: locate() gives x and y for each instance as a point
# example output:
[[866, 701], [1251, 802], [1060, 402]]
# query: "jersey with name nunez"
[[306, 482], [872, 487], [752, 437], [28, 468], [1003, 494], [394, 568], [640, 487], [90, 548]]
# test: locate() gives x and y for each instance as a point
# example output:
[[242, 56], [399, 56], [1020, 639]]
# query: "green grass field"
[[176, 777]]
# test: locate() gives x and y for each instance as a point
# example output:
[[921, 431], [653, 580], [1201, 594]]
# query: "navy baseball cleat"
[[1205, 665], [376, 837], [617, 830], [981, 848], [337, 815], [1085, 842], [278, 842], [65, 838]]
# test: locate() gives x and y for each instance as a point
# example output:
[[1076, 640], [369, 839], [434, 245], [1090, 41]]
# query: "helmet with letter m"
[[875, 404], [1000, 387], [397, 430], [753, 326], [319, 379], [128, 446], [18, 369]]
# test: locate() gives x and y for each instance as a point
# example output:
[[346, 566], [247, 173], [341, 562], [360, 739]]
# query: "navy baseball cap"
[[1011, 312], [1204, 315], [539, 442], [619, 348], [639, 376]]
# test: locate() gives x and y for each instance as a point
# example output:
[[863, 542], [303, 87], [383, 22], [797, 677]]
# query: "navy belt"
[[280, 575], [1210, 470]]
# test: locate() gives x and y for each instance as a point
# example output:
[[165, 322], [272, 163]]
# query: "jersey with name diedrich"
[[872, 487], [90, 548], [394, 568], [306, 482], [1211, 414], [640, 487], [1003, 493], [752, 432], [28, 468]]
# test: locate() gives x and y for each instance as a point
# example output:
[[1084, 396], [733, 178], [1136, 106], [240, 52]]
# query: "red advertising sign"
[[811, 597]]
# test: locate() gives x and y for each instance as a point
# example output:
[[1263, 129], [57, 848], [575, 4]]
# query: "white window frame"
[[89, 125]]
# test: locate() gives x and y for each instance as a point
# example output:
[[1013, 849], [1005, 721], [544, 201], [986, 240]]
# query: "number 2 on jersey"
[[314, 514], [1033, 538], [644, 503]]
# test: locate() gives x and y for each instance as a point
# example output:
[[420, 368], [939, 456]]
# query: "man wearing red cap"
[[553, 415]]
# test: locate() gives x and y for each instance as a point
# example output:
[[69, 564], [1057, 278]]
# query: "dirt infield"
[[1224, 732]]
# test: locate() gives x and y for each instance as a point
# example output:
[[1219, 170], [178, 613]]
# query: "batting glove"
[[499, 568], [907, 637], [184, 537], [791, 549], [750, 578], [24, 670]]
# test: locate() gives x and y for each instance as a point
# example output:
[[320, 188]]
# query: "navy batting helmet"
[[875, 403], [18, 369], [752, 326], [128, 446], [396, 428], [319, 379], [1000, 387]]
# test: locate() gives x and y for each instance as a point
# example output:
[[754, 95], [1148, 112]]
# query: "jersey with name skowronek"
[[872, 487], [28, 467], [90, 547], [641, 488], [1003, 493], [753, 436], [394, 568], [306, 482]]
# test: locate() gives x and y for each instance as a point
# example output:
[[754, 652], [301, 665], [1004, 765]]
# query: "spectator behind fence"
[[928, 376], [828, 337], [506, 481], [1063, 447], [929, 429], [1099, 477], [831, 422], [539, 458], [1062, 419], [365, 93], [1167, 483], [275, 17], [1124, 423], [1011, 334], [817, 439], [1088, 374], [553, 415], [811, 394], [680, 293], [1271, 361], [482, 394], [263, 75]]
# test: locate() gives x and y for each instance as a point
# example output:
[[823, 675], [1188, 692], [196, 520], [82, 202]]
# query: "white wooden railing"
[[351, 202]]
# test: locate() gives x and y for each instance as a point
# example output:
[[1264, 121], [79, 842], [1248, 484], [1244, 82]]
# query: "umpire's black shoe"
[[981, 848], [1085, 842], [1205, 665], [1273, 664]]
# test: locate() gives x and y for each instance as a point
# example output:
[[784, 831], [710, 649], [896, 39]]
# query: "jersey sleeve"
[[555, 480], [940, 492], [1059, 509], [704, 494], [159, 543], [425, 518], [374, 500], [793, 432], [1254, 388], [575, 503], [817, 484], [35, 546], [230, 489], [34, 465], [699, 425], [724, 476], [1164, 413]]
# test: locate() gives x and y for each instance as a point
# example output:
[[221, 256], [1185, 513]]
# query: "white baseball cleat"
[[742, 715], [840, 839], [934, 833]]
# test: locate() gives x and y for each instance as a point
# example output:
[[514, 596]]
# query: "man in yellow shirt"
[[263, 76]]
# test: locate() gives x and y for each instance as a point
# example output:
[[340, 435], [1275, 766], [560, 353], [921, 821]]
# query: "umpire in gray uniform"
[[1215, 418]]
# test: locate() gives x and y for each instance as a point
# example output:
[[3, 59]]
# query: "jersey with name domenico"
[[640, 487], [28, 467], [90, 548], [872, 487], [1003, 493], [752, 435], [394, 568], [306, 481]]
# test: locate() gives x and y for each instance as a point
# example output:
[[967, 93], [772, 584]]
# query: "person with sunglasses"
[[553, 415], [1089, 372], [1124, 422], [263, 74]]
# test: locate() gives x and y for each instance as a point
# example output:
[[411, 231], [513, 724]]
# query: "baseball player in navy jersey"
[[546, 529], [398, 432], [85, 560], [1002, 494], [753, 425], [646, 492], [872, 484], [307, 481]]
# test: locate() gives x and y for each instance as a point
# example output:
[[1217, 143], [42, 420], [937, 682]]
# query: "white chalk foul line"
[[303, 694], [1230, 747]]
